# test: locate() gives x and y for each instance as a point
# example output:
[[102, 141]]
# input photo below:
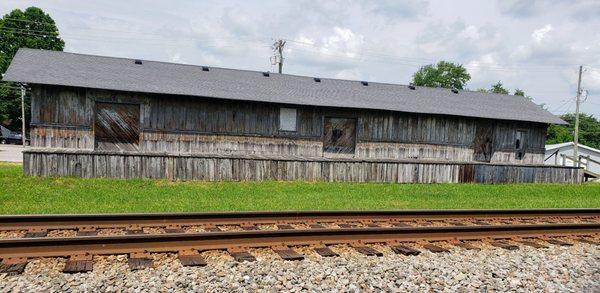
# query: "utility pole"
[[278, 48], [23, 139], [576, 136]]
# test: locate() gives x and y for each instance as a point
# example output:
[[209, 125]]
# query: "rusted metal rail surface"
[[56, 247], [27, 222], [527, 227]]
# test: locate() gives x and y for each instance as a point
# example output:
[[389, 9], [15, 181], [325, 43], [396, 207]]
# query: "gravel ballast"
[[564, 269]]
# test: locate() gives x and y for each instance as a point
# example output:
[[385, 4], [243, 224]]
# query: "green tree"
[[589, 130], [498, 88], [32, 28], [520, 92], [444, 74]]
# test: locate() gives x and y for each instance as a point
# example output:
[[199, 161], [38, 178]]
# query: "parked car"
[[8, 136]]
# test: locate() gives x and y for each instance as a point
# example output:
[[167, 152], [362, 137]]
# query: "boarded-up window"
[[339, 135], [117, 126], [287, 119], [520, 144]]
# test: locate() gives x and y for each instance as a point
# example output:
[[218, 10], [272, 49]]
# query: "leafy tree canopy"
[[444, 74], [498, 88], [32, 28], [519, 92], [589, 130]]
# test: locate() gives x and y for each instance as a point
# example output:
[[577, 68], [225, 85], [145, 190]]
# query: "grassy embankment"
[[21, 195]]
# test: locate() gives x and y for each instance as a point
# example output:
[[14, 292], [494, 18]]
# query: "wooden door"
[[339, 135], [117, 126], [483, 145]]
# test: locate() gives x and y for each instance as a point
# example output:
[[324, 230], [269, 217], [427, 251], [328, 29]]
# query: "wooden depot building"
[[96, 116]]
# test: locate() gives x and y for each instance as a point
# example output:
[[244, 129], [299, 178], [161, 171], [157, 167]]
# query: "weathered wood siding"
[[63, 117], [190, 143], [243, 168], [382, 150], [62, 137], [209, 116]]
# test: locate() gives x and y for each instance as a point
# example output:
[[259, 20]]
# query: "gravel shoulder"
[[11, 153], [555, 269]]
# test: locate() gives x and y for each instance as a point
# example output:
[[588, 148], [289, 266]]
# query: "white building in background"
[[558, 154]]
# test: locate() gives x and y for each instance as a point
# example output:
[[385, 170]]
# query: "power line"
[[29, 20]]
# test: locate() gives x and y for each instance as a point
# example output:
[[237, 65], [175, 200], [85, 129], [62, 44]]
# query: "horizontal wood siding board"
[[243, 169], [267, 157]]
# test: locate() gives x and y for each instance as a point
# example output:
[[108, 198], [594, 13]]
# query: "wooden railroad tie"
[[285, 227], [173, 229], [140, 260], [366, 250], [434, 248], [13, 266], [87, 231], [79, 264], [587, 241], [240, 254], [465, 245], [504, 245], [531, 242], [287, 253], [558, 242], [325, 251], [36, 232], [191, 258], [248, 227], [404, 249]]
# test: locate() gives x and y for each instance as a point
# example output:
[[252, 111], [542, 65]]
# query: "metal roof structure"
[[134, 75]]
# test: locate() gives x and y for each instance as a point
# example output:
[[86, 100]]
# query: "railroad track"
[[139, 235]]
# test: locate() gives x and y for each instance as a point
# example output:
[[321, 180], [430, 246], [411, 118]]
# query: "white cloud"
[[592, 80], [176, 58], [518, 8], [529, 44], [343, 40], [540, 34], [348, 74]]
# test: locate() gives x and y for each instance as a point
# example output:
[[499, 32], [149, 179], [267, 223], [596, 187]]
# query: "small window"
[[287, 119]]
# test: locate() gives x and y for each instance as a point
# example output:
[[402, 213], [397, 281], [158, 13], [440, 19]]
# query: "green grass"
[[23, 195]]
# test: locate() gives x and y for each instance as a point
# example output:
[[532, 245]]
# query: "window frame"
[[294, 115]]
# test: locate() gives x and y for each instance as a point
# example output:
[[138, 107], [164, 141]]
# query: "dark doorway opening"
[[483, 147]]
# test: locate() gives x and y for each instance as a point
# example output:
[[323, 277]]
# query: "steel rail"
[[73, 221], [95, 245]]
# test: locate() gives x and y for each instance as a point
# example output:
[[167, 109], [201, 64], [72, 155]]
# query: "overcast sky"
[[536, 46]]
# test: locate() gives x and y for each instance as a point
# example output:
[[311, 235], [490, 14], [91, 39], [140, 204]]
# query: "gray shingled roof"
[[69, 69]]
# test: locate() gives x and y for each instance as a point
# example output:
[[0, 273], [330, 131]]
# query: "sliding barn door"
[[117, 126]]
